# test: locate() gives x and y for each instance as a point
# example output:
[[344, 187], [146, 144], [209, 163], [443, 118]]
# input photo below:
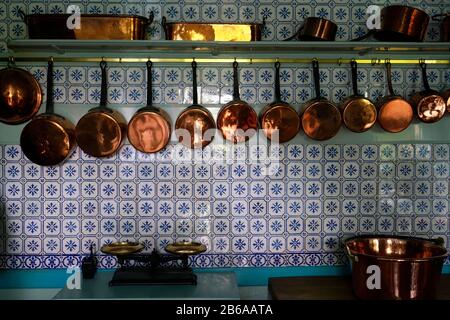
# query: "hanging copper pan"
[[195, 126], [237, 120], [101, 131], [446, 95], [279, 120], [394, 113], [49, 138], [320, 118], [428, 104], [359, 114], [20, 95], [149, 129]]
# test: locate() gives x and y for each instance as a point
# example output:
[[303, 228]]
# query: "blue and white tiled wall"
[[319, 195]]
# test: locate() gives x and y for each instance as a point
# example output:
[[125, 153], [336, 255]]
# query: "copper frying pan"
[[20, 95], [394, 113], [237, 120], [279, 120], [429, 105], [321, 119], [49, 138], [359, 114], [195, 126], [101, 131], [149, 129]]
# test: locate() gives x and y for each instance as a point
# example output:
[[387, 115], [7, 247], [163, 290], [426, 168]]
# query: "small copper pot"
[[394, 113], [429, 105], [195, 126], [101, 131], [237, 120], [279, 120], [316, 29], [48, 139], [320, 118], [149, 129], [359, 114], [445, 25]]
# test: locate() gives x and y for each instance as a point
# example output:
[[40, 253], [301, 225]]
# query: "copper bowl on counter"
[[395, 267]]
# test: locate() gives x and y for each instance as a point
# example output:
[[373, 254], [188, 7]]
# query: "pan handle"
[[22, 15], [277, 82], [423, 66], [149, 83], [194, 83], [354, 66], [316, 77], [350, 254], [104, 89], [236, 95], [295, 35], [389, 78], [437, 17], [50, 106], [164, 27]]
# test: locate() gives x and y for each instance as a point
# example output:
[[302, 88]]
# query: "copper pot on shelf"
[[315, 29], [278, 119], [237, 120], [359, 114], [428, 104], [394, 113], [49, 138], [149, 129], [320, 118]]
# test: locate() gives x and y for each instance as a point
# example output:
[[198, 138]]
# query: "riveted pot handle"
[[389, 78], [352, 257], [316, 76], [277, 82], [354, 66], [104, 89], [23, 16], [423, 66], [50, 105], [149, 83], [194, 83], [236, 95]]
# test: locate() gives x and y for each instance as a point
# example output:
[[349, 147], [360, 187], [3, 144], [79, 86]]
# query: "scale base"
[[123, 277]]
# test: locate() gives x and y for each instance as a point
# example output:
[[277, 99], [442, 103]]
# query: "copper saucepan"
[[149, 129], [20, 95], [237, 120], [446, 95], [394, 113], [101, 131], [195, 126], [316, 29], [320, 118], [279, 120], [429, 105], [48, 139], [359, 114], [445, 25]]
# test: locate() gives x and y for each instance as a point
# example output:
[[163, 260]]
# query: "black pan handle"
[[354, 66], [236, 95], [316, 76], [149, 83], [50, 107], [423, 66], [104, 88], [194, 83], [295, 35], [22, 15], [277, 82], [368, 34], [389, 78], [164, 27]]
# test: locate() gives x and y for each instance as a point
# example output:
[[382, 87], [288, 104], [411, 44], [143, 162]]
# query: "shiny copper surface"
[[195, 127], [315, 29], [402, 23], [359, 114], [20, 96], [185, 248], [395, 114], [280, 121], [410, 268], [237, 121], [430, 106], [121, 248], [321, 119], [446, 96]]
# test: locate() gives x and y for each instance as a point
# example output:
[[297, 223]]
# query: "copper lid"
[[359, 114], [321, 120], [395, 115]]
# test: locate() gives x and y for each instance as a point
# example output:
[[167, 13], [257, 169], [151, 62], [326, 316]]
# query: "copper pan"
[[237, 120], [195, 126], [279, 120], [316, 29], [359, 114], [320, 118], [149, 129], [394, 113], [49, 138], [20, 95], [101, 131], [428, 104], [446, 95]]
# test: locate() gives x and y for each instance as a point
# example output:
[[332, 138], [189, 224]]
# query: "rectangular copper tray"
[[93, 27], [193, 31]]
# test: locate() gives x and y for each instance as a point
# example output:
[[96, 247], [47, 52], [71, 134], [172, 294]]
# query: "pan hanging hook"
[[339, 62], [11, 61]]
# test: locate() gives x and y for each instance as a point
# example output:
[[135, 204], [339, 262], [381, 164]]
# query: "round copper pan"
[[428, 104], [237, 120], [195, 126], [359, 114], [446, 96], [49, 138], [101, 131], [279, 120], [20, 95], [394, 113], [320, 118], [149, 129]]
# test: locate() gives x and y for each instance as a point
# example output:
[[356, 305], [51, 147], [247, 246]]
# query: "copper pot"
[[394, 113], [237, 120], [408, 268], [20, 95], [320, 118], [149, 129], [101, 131], [429, 105], [402, 23], [446, 95], [316, 29], [48, 139], [279, 120], [195, 126], [359, 114], [445, 25]]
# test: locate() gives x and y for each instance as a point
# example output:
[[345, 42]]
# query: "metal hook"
[[11, 60], [387, 61], [422, 61], [339, 62], [251, 61], [50, 59]]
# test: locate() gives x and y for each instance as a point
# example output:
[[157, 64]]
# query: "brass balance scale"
[[136, 268]]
